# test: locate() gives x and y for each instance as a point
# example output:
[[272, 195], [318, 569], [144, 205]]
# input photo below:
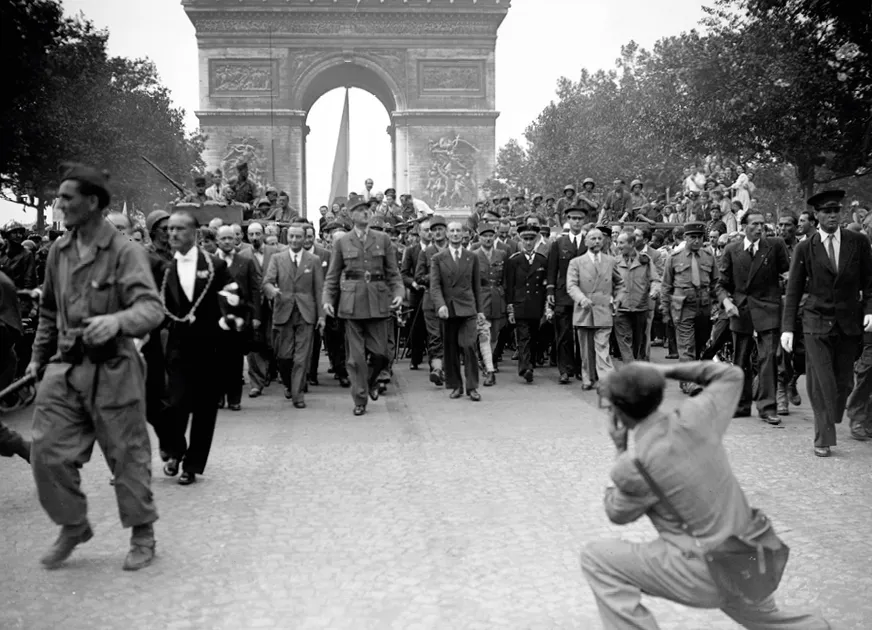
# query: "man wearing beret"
[[98, 296], [363, 286], [687, 291], [435, 348], [833, 267]]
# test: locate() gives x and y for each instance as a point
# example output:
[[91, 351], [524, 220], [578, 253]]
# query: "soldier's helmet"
[[12, 226]]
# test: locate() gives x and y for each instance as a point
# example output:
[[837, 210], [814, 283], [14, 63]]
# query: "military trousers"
[[366, 337], [619, 572], [334, 339], [528, 343], [77, 405], [435, 348], [692, 333]]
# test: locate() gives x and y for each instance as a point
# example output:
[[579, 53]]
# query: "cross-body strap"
[[660, 495]]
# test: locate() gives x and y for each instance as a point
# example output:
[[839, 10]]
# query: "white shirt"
[[295, 256], [228, 258], [258, 255], [186, 268], [749, 244], [837, 242], [594, 257], [576, 239], [456, 253]]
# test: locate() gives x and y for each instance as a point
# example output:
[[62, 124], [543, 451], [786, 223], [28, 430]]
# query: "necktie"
[[752, 249], [694, 270], [294, 263], [831, 251]]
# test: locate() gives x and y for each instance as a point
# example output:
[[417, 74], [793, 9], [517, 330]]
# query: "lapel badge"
[[203, 273]]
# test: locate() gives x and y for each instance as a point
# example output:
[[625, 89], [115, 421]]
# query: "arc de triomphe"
[[264, 63]]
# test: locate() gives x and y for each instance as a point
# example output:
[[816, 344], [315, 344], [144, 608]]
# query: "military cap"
[[569, 187], [484, 228], [588, 180], [491, 212], [694, 227], [360, 205], [827, 199], [391, 191], [549, 198], [271, 189], [332, 226], [437, 220], [199, 179], [605, 229], [377, 223], [574, 210], [520, 196], [154, 217], [634, 183], [546, 230], [98, 180], [528, 228], [619, 180]]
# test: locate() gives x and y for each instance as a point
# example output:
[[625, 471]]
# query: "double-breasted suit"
[[456, 285], [297, 307], [753, 284], [526, 282], [562, 251], [260, 354], [193, 360], [492, 270], [832, 320], [594, 284]]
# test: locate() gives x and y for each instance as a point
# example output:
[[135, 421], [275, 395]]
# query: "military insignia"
[[203, 273]]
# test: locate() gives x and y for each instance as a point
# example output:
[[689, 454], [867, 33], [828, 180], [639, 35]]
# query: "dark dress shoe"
[[496, 368], [793, 394], [587, 386], [313, 381], [255, 392], [474, 395], [382, 388], [564, 379], [859, 433], [344, 382], [187, 478], [782, 409], [164, 456], [300, 404], [64, 545], [490, 380], [359, 410], [234, 407], [456, 393], [330, 370], [822, 451], [171, 468], [528, 376], [769, 418], [288, 394], [374, 392], [671, 355], [414, 366], [436, 378]]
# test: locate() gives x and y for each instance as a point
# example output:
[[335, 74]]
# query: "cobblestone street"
[[424, 513]]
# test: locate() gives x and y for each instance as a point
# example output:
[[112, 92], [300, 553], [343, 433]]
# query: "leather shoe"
[[255, 392], [793, 394], [474, 395], [782, 409], [436, 378], [490, 380], [413, 366], [68, 540], [359, 410], [564, 379], [671, 355], [300, 404], [822, 451], [587, 386], [859, 433], [139, 556], [344, 382], [456, 393], [382, 388], [313, 381], [528, 376], [234, 407], [187, 478], [171, 468], [288, 394], [769, 418], [373, 392]]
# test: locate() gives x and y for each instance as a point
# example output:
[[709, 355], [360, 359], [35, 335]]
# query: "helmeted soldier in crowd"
[[687, 293], [17, 261], [98, 296], [585, 199]]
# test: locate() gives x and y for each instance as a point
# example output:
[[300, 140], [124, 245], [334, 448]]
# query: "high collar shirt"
[[186, 269]]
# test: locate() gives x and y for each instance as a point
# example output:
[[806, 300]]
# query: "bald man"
[[243, 270]]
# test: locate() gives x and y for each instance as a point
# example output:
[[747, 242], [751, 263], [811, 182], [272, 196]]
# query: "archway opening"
[[370, 149]]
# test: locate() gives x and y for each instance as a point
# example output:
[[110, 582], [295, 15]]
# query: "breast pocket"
[[103, 296], [347, 289]]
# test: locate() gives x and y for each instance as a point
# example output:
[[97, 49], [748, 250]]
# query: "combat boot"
[[142, 545], [793, 392], [71, 536], [781, 400]]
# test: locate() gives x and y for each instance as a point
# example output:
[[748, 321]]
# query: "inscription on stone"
[[241, 77], [458, 77]]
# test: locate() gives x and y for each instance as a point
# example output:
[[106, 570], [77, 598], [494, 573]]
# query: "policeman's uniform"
[[526, 281], [362, 280], [687, 294]]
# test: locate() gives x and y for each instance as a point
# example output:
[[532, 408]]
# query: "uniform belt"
[[366, 276]]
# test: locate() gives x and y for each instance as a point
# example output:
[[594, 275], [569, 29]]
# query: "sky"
[[539, 42]]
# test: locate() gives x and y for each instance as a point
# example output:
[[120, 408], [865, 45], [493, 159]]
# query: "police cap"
[[827, 199], [694, 227], [437, 220], [528, 229], [484, 228], [574, 210]]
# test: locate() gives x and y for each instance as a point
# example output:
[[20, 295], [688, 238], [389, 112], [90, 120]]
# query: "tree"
[[80, 104]]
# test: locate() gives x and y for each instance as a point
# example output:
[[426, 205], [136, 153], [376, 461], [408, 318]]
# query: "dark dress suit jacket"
[[754, 285], [526, 285], [407, 271], [422, 273], [244, 271], [840, 297], [456, 285], [562, 251]]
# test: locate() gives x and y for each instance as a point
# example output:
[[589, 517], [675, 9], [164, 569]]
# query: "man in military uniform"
[[526, 280], [363, 285], [687, 293], [17, 261], [491, 264], [435, 348], [98, 296], [199, 195], [244, 190]]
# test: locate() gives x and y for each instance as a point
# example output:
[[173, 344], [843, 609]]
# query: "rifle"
[[21, 383], [177, 185]]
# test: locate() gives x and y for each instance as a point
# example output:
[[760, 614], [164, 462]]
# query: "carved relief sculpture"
[[451, 181], [239, 76], [249, 150], [446, 78]]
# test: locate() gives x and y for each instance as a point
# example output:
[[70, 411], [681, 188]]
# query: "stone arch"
[[342, 70]]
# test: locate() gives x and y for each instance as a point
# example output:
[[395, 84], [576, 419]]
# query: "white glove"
[[787, 340], [867, 323]]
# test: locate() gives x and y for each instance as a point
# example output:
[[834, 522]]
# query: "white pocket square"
[[307, 271]]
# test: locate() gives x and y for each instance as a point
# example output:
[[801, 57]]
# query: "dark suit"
[[832, 321], [562, 251], [155, 359], [682, 450], [260, 356], [457, 286], [753, 284], [323, 255], [525, 293], [235, 343], [435, 348], [417, 333], [362, 281], [193, 363], [297, 309]]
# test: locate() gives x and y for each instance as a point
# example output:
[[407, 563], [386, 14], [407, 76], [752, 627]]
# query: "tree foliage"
[[72, 101], [768, 83]]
